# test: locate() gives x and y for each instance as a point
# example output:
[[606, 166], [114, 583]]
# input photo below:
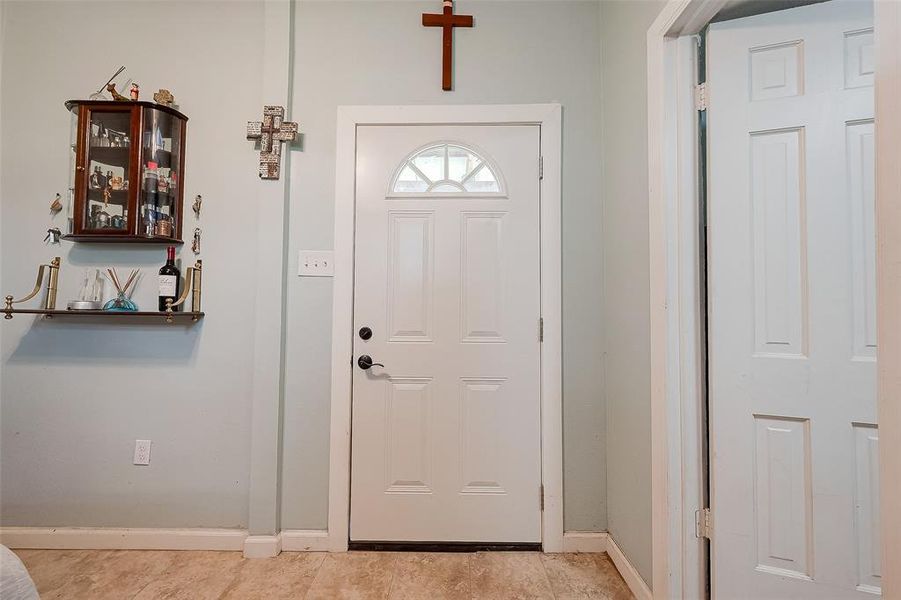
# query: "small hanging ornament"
[[198, 200], [56, 205], [53, 235], [195, 245]]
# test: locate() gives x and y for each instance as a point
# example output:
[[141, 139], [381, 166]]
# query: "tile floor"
[[145, 575]]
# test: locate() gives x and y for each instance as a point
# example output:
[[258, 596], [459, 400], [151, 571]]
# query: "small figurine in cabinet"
[[97, 181]]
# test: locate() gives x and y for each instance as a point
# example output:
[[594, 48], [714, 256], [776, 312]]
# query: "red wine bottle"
[[170, 280]]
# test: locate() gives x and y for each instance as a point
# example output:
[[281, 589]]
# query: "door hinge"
[[540, 167], [540, 329], [702, 101], [541, 496], [703, 525]]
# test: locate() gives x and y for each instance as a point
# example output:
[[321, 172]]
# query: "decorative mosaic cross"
[[271, 132]]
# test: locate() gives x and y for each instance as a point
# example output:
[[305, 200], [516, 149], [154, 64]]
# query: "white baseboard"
[[600, 541], [630, 574], [262, 546], [102, 538], [108, 538], [305, 540], [585, 541]]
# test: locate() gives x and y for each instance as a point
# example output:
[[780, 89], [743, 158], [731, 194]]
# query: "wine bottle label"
[[167, 285]]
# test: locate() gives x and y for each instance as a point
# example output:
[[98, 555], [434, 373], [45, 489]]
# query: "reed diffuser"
[[122, 302]]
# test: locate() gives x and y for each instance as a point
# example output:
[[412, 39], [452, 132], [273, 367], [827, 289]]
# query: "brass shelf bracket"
[[193, 279], [50, 301]]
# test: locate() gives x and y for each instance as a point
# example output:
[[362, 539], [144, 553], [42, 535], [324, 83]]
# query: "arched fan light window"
[[446, 169]]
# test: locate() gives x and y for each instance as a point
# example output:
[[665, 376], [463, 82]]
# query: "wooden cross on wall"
[[447, 20], [271, 131]]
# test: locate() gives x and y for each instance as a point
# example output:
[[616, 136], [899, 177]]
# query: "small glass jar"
[[121, 303]]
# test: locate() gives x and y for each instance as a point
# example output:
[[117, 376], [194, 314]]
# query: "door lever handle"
[[365, 362]]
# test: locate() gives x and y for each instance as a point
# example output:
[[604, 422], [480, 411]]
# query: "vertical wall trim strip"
[[269, 292]]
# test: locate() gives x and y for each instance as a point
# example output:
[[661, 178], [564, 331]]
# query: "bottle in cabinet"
[[169, 280]]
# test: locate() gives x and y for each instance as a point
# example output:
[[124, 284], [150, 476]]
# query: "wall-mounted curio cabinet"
[[127, 172]]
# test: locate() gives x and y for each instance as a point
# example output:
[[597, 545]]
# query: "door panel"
[[791, 246], [446, 436]]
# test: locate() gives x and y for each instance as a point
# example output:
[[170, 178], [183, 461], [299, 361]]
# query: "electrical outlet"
[[142, 452], [316, 263]]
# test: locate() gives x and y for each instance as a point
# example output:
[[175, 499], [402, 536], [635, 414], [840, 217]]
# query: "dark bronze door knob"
[[365, 362]]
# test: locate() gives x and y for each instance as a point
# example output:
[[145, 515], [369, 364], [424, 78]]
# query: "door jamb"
[[549, 118], [673, 341]]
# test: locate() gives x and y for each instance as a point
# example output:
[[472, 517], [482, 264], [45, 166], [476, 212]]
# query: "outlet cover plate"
[[316, 263], [142, 452]]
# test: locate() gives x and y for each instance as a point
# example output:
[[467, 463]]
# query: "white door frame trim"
[[549, 118], [674, 341], [888, 286], [675, 344]]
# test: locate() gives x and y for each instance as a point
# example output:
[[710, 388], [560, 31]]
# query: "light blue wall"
[[624, 26], [74, 396]]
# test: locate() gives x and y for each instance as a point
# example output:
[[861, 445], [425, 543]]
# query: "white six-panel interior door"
[[446, 435], [794, 442]]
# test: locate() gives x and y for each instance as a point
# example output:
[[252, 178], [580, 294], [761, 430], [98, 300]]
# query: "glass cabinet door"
[[73, 164], [107, 171], [160, 178]]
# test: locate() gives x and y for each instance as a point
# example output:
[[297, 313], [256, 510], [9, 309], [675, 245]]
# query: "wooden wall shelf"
[[107, 314], [124, 238]]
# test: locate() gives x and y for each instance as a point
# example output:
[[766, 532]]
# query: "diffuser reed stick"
[[114, 277]]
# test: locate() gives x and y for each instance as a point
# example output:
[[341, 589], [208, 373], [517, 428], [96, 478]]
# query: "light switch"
[[316, 263]]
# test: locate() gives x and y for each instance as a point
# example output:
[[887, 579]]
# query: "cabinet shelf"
[[106, 314], [119, 197], [116, 157]]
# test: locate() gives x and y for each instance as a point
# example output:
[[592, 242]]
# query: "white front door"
[[446, 435], [792, 305]]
